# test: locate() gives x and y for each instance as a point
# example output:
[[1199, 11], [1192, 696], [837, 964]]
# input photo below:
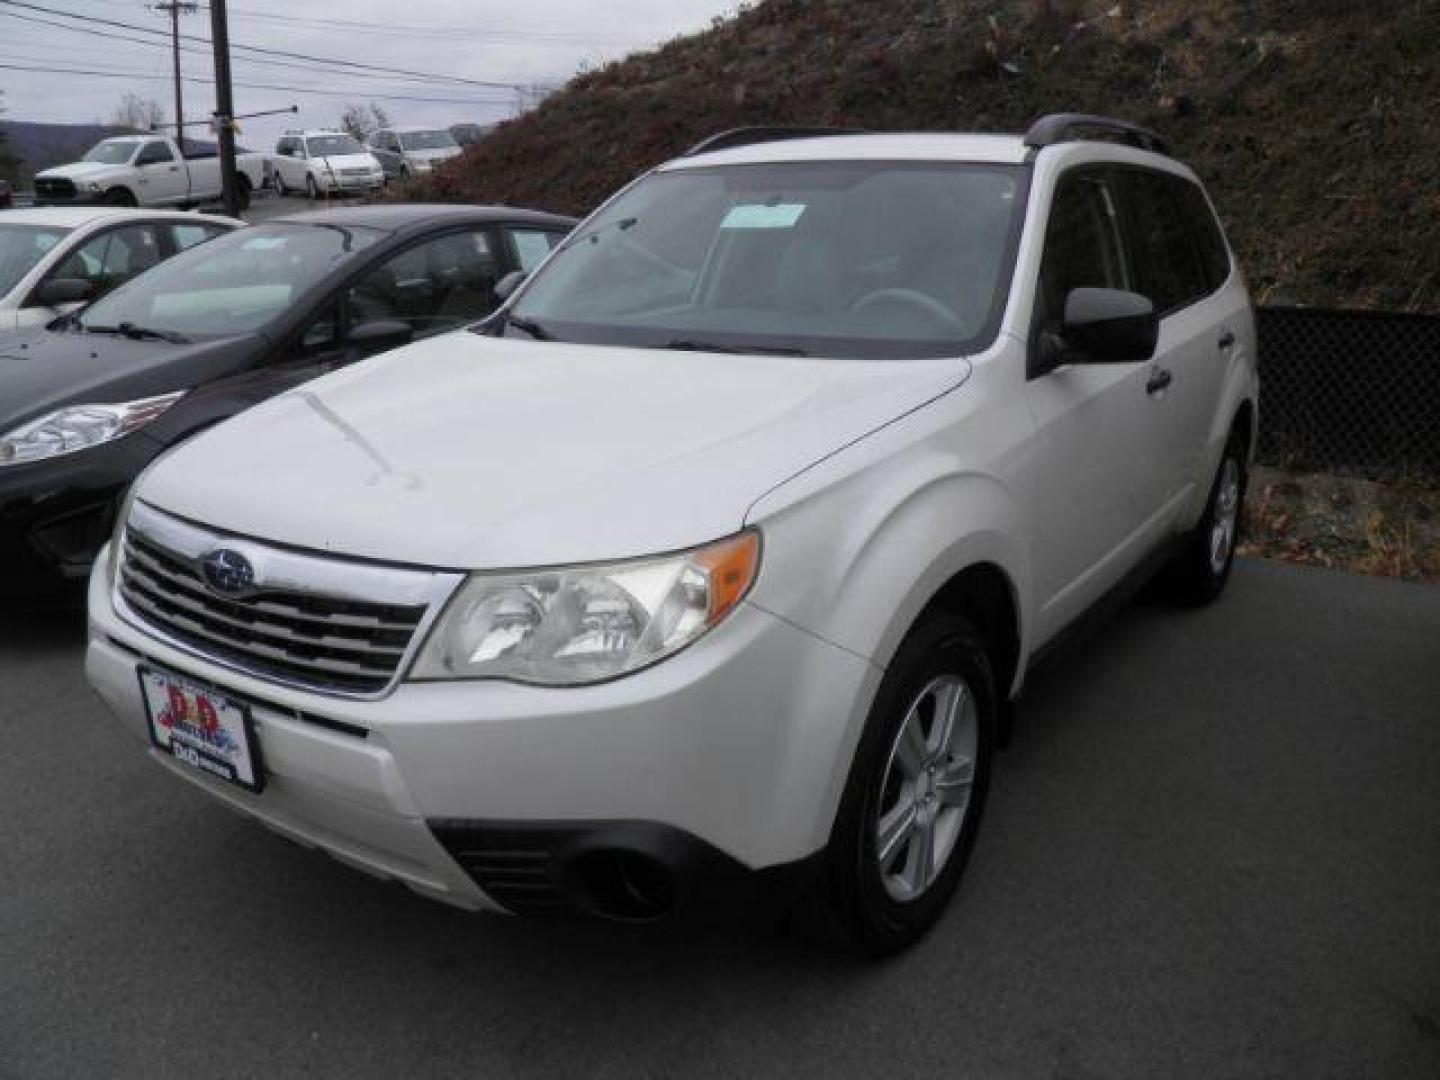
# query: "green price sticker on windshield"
[[763, 216]]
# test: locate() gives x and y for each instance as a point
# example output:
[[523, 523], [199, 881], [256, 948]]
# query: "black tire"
[[404, 174], [851, 902], [312, 189], [1199, 572], [280, 188], [120, 197], [242, 193]]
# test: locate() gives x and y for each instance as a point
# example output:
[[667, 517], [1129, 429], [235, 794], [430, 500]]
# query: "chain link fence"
[[1349, 391]]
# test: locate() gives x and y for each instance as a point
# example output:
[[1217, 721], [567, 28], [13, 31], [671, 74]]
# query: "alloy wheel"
[[928, 780]]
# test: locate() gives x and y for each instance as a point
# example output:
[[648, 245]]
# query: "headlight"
[[573, 625], [78, 427]]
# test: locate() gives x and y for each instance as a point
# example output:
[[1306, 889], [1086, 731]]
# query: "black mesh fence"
[[1351, 391]]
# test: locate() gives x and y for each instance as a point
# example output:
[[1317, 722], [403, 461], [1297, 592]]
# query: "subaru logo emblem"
[[228, 572]]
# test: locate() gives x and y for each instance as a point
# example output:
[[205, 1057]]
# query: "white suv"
[[718, 555], [323, 163]]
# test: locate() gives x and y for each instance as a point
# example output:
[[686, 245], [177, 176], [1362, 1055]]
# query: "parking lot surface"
[[1213, 850]]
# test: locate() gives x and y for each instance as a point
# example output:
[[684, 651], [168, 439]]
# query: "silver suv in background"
[[411, 151]]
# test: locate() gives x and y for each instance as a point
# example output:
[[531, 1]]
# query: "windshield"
[[426, 140], [333, 146], [850, 259], [21, 247], [467, 134], [116, 152], [233, 284]]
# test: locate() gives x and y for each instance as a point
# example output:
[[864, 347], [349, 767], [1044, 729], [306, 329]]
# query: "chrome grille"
[[54, 187], [312, 621]]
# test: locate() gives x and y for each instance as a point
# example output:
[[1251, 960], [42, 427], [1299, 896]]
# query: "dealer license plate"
[[202, 728]]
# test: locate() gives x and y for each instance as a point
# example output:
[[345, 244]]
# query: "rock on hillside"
[[1312, 120]]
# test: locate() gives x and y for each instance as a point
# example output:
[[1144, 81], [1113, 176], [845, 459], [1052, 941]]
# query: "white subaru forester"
[[718, 555]]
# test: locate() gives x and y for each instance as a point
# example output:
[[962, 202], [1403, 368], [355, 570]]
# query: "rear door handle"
[[1159, 380], [1227, 339]]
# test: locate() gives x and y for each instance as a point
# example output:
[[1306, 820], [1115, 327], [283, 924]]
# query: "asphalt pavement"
[[1213, 850]]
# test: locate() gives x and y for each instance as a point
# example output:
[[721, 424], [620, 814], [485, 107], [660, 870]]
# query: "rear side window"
[[1167, 260]]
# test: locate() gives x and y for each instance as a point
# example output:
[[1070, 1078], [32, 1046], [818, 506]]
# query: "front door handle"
[[1159, 380], [1227, 339]]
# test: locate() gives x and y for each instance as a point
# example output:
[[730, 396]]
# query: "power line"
[[253, 86], [546, 37], [271, 52], [110, 35]]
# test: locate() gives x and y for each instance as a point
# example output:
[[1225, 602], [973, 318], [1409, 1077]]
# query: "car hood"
[[43, 370], [79, 171], [474, 452]]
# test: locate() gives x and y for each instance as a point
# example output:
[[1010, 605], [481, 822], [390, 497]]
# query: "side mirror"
[[1110, 326], [57, 291], [506, 286], [381, 336]]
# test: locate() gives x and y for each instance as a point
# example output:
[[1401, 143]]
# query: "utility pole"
[[174, 8], [224, 107]]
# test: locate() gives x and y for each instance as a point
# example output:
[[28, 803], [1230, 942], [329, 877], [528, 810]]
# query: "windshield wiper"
[[687, 345], [138, 333], [529, 326]]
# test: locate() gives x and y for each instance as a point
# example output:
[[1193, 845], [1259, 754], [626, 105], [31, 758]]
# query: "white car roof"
[[416, 127], [73, 217], [919, 146]]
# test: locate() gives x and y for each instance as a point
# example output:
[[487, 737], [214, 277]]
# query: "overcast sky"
[[487, 41]]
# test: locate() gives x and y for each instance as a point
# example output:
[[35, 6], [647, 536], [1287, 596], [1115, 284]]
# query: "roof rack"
[[749, 136], [1067, 127]]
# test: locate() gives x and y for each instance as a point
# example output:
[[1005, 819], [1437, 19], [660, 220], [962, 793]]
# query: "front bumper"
[[740, 744], [56, 515]]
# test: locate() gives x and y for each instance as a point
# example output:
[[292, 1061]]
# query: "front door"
[[1099, 490]]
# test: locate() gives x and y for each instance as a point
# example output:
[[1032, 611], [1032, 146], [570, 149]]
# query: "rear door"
[[1181, 279], [1099, 491]]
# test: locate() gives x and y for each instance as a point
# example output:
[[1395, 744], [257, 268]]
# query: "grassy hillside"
[[1313, 121]]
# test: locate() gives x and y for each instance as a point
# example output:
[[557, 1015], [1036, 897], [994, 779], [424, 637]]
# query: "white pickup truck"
[[146, 170]]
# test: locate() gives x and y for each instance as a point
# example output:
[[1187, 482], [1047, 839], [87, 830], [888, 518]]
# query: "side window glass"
[[1083, 249], [436, 285], [323, 333], [187, 236], [532, 245], [1204, 232], [114, 258], [1170, 273], [154, 153]]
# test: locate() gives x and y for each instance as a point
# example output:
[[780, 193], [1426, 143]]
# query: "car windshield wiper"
[[688, 345], [529, 326], [138, 333]]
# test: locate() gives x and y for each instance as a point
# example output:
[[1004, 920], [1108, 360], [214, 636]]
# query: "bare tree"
[[138, 113], [360, 120]]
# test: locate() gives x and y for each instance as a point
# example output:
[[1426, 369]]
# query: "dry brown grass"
[[1388, 529]]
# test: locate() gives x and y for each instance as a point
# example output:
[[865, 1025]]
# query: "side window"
[[114, 257], [154, 153], [1204, 232], [435, 285], [187, 236], [322, 333], [1170, 273], [532, 245], [1083, 249]]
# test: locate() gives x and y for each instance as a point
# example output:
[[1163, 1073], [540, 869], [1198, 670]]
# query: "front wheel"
[[912, 802], [312, 189], [1201, 569], [120, 197], [242, 193]]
